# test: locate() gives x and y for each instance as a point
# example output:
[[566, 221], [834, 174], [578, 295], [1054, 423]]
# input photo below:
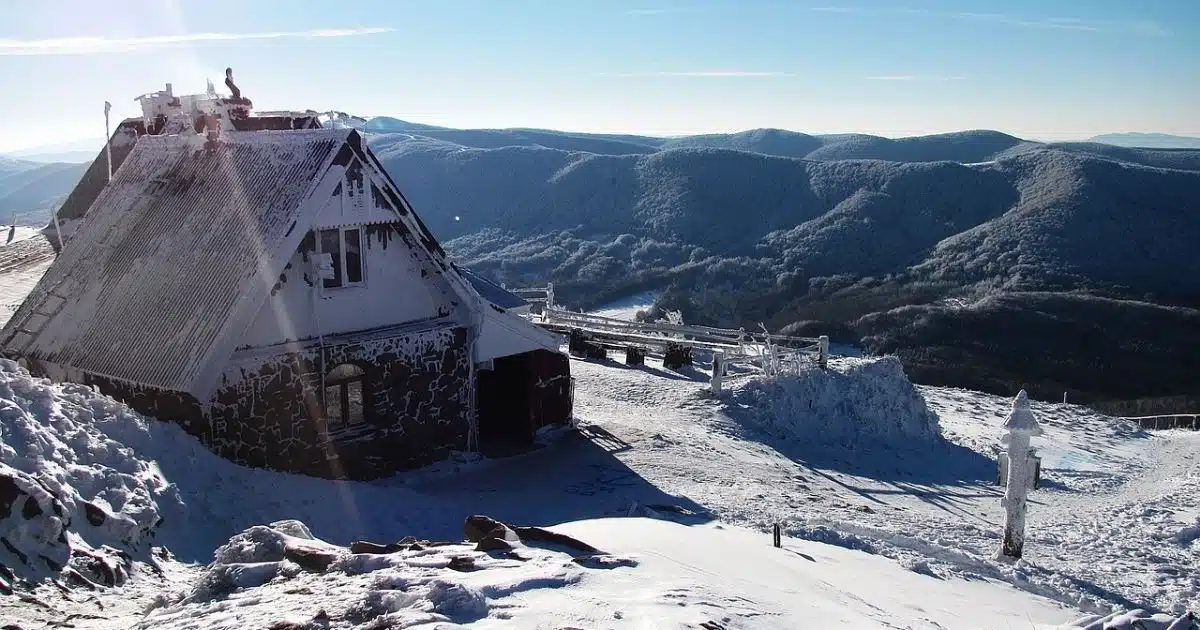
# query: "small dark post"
[[778, 537]]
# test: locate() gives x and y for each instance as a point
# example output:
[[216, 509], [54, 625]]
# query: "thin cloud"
[[702, 73], [1141, 27], [916, 77], [1066, 24], [105, 45]]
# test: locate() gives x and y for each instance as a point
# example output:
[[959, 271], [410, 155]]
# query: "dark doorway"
[[503, 403]]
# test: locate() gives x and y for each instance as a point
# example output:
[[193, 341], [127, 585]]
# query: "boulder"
[[310, 558]]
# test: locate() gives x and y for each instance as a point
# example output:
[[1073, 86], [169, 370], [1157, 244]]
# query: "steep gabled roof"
[[85, 192], [175, 251]]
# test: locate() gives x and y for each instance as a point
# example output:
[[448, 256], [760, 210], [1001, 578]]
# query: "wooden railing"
[[772, 353], [1171, 421]]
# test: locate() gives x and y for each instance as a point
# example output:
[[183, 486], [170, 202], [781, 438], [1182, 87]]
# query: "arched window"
[[344, 389]]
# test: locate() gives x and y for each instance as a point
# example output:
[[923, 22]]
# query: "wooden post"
[[823, 349], [718, 366], [778, 536], [1064, 398]]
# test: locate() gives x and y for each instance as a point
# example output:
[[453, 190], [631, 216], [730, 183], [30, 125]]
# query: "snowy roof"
[[1021, 418], [150, 283], [88, 189], [491, 291]]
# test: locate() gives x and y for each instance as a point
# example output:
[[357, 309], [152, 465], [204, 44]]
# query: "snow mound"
[[267, 577], [73, 500], [1189, 534], [1137, 619], [852, 403]]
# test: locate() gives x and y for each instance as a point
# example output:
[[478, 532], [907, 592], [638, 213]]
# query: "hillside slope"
[[738, 237]]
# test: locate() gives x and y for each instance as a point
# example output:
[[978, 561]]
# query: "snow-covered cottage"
[[264, 283]]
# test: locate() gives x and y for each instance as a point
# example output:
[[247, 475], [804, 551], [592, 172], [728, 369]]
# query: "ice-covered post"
[[107, 139], [549, 295], [718, 366], [823, 350], [1021, 425]]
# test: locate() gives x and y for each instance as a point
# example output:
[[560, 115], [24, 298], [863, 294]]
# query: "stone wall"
[[268, 411]]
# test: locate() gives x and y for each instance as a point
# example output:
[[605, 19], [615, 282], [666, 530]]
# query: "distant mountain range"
[[74, 151], [1149, 140], [977, 257], [29, 191]]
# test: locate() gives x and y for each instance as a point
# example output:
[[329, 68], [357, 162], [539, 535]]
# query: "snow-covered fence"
[[1166, 422], [774, 354], [698, 335]]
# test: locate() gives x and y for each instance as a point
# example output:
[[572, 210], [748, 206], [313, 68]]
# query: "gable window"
[[344, 246], [344, 388]]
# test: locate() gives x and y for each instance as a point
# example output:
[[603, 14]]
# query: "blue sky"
[[1047, 69]]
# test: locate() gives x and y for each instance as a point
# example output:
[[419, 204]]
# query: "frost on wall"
[[268, 412], [854, 402]]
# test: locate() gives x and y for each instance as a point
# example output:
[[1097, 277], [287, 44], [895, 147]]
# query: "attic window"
[[344, 245]]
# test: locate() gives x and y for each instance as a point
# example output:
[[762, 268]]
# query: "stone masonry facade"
[[268, 410]]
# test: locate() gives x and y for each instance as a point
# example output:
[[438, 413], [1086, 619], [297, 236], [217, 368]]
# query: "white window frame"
[[341, 262]]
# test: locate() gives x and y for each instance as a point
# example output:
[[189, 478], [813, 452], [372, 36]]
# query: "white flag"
[[107, 106]]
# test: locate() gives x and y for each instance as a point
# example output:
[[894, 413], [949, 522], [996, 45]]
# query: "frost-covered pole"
[[823, 349], [718, 366], [1021, 425], [107, 139]]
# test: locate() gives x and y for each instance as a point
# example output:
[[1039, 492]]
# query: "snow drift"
[[73, 501], [854, 402]]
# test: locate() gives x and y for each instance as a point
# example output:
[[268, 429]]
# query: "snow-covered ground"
[[23, 261], [883, 492], [627, 308], [878, 533], [14, 233], [17, 284]]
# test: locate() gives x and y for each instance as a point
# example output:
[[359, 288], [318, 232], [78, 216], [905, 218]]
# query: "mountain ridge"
[[732, 233]]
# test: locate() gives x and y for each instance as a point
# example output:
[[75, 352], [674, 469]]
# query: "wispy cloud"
[[1141, 27], [916, 77], [701, 73], [105, 45], [1066, 24]]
